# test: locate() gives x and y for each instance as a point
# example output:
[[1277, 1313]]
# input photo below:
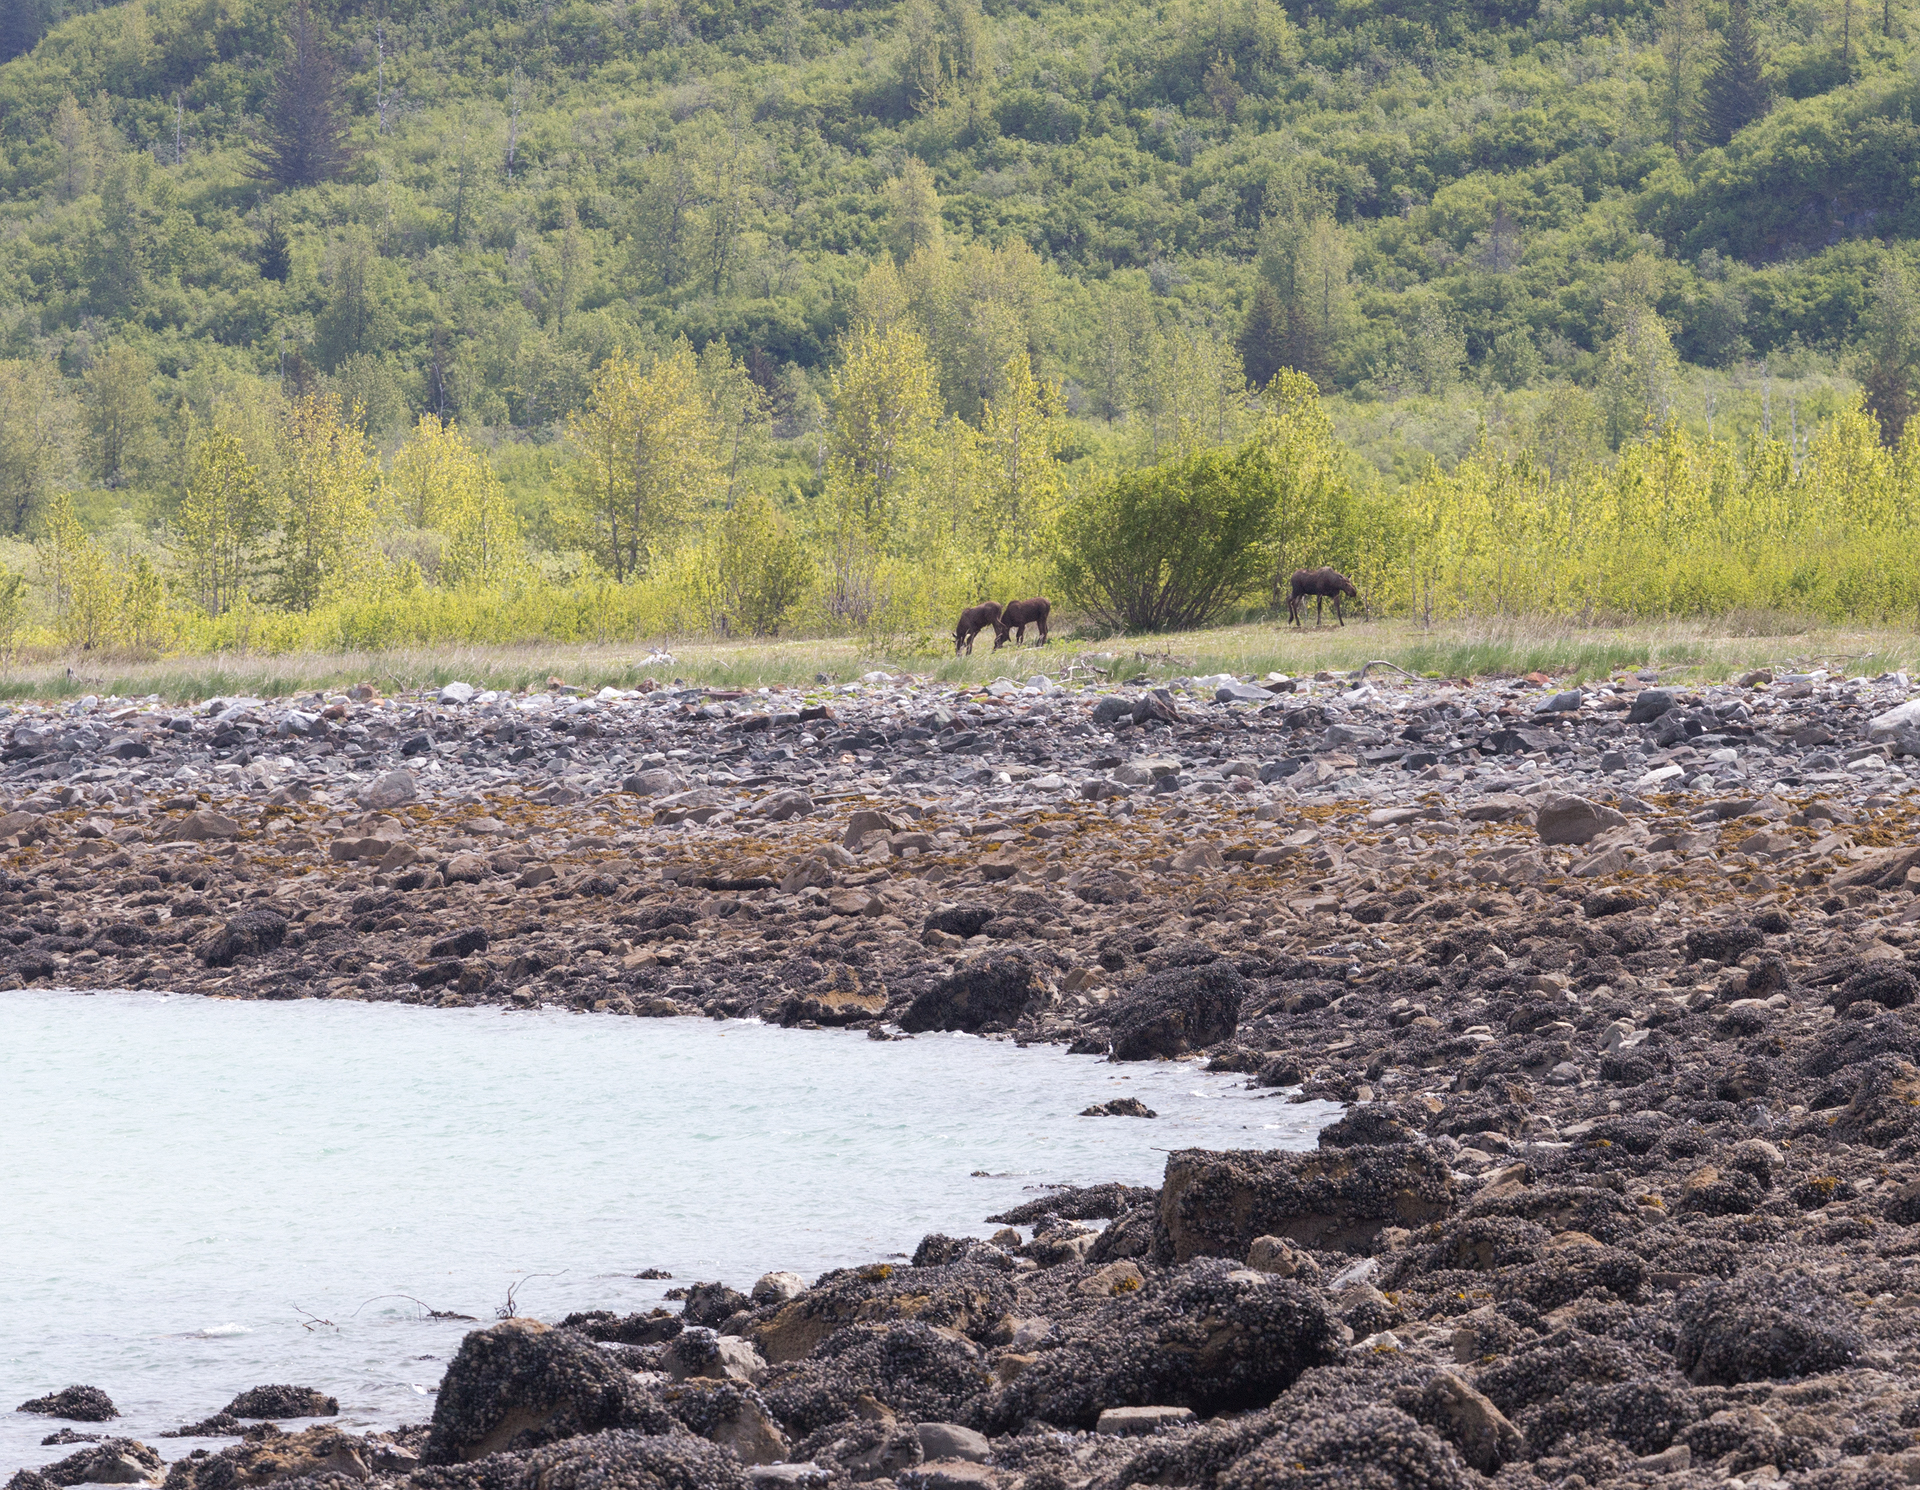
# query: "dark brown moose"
[[1017, 617], [1320, 586], [974, 620]]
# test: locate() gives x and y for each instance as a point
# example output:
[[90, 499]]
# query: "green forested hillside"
[[1557, 219]]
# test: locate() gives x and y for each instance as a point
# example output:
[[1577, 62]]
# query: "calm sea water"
[[199, 1196]]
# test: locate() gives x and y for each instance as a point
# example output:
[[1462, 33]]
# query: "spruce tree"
[[1304, 347], [275, 253], [1736, 93], [1263, 337], [22, 24], [306, 137]]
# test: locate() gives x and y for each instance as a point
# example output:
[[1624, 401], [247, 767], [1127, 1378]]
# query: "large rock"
[[866, 821], [112, 1461], [24, 827], [1178, 1011], [1649, 704], [601, 1461], [77, 1404], [703, 1352], [283, 1402], [392, 789], [520, 1384], [652, 783], [274, 1456], [1216, 1337], [1760, 1328], [1371, 1445], [991, 993], [728, 1413], [248, 934], [201, 826], [1485, 1438], [1214, 1204], [1566, 820]]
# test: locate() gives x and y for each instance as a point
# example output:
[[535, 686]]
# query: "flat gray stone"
[[1130, 1422], [951, 1441]]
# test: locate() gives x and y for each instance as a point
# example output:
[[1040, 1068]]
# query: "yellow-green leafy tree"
[[79, 576], [222, 525], [886, 411], [1020, 484], [441, 482], [760, 571], [13, 605], [649, 459], [327, 508], [144, 620]]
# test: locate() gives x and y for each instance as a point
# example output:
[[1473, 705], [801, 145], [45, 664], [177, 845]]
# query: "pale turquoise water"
[[186, 1184]]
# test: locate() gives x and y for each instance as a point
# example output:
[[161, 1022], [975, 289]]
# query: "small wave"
[[220, 1332]]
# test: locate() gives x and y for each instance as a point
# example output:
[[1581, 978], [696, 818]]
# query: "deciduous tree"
[[649, 459], [222, 525], [327, 508]]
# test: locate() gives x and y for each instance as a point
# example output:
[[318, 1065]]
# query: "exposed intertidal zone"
[[1619, 986]]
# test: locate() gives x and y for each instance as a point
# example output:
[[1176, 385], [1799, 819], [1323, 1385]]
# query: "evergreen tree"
[[275, 253], [1305, 347], [1263, 336], [1736, 93], [306, 137], [22, 24]]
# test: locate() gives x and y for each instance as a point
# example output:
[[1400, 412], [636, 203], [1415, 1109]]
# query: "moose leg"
[[1319, 610], [1042, 624], [1338, 615]]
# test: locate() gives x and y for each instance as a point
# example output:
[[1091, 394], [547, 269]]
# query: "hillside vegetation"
[[380, 322]]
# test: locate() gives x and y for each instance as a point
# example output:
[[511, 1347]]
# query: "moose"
[[1010, 620], [1017, 617], [974, 620], [1321, 585]]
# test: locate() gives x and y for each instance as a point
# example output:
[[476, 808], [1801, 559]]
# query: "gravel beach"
[[1618, 984]]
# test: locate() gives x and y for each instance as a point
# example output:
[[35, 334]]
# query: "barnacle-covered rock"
[[1214, 1204], [520, 1384], [1214, 1337]]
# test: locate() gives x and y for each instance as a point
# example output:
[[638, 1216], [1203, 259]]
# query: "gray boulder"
[[392, 789], [1759, 1328], [1178, 1011], [995, 991], [1649, 704], [519, 1385], [77, 1404], [282, 1402], [1215, 1337], [248, 934], [1215, 1204], [1571, 820], [112, 1461], [601, 1461]]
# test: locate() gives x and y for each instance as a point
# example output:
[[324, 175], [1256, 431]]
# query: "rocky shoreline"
[[1618, 983]]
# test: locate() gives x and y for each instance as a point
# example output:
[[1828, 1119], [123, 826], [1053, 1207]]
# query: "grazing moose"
[[974, 620], [1320, 585], [1017, 617]]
